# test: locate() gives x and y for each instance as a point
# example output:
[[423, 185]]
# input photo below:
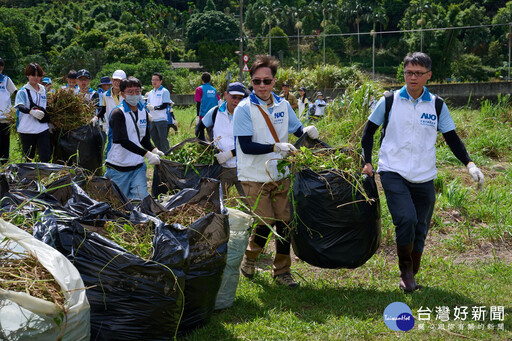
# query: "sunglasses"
[[266, 81]]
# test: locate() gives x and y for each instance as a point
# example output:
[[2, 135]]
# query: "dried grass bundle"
[[68, 110], [186, 214], [22, 272]]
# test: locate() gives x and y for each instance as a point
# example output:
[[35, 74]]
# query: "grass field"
[[467, 260]]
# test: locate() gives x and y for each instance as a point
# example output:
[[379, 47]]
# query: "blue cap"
[[105, 80], [236, 88], [47, 80]]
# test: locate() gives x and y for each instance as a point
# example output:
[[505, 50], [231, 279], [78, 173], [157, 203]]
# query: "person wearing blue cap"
[[47, 83], [221, 119], [105, 84], [7, 88], [84, 79]]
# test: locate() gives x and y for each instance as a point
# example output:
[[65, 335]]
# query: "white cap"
[[119, 74]]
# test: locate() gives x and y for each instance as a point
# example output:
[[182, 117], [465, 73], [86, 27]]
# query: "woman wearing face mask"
[[32, 120], [130, 142]]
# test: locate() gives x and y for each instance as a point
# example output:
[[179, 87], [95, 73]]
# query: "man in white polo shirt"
[[262, 123], [407, 160], [158, 103]]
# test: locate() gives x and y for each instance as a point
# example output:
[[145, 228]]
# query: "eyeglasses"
[[239, 98], [266, 81], [417, 74], [133, 92]]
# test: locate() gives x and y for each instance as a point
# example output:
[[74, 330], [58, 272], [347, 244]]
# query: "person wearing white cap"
[[158, 104], [221, 119], [320, 105], [109, 100]]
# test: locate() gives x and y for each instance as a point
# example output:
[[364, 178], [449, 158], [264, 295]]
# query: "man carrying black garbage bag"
[[262, 123], [411, 118]]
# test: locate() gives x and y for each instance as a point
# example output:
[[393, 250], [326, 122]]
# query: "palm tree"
[[270, 9]]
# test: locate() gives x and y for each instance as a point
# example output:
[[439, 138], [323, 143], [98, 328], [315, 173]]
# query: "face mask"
[[133, 99]]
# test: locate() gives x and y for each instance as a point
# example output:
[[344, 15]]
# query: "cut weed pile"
[[69, 111], [318, 160], [22, 272], [193, 153], [102, 193], [134, 238], [186, 214]]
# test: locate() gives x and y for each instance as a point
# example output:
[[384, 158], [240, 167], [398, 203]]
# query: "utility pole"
[[298, 25], [373, 34], [241, 44], [509, 48]]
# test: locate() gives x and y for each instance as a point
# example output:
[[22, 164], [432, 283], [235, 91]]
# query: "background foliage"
[[66, 34]]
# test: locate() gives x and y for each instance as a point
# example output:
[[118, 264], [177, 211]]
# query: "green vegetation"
[[467, 258], [142, 37]]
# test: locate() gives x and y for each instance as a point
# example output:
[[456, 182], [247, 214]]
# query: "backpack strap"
[[388, 97], [214, 114], [439, 106]]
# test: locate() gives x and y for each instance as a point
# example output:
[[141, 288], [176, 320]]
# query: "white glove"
[[157, 152], [476, 174], [153, 159], [312, 132], [197, 120], [94, 120], [150, 107], [36, 113], [284, 148], [223, 156]]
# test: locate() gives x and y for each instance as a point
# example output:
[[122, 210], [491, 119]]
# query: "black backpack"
[[389, 97]]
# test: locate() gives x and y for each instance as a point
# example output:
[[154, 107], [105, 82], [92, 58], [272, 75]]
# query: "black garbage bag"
[[208, 237], [308, 142], [330, 236], [82, 146], [38, 171], [130, 298], [171, 175], [4, 185]]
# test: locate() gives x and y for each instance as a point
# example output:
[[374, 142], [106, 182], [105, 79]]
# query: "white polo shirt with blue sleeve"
[[408, 148], [248, 121]]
